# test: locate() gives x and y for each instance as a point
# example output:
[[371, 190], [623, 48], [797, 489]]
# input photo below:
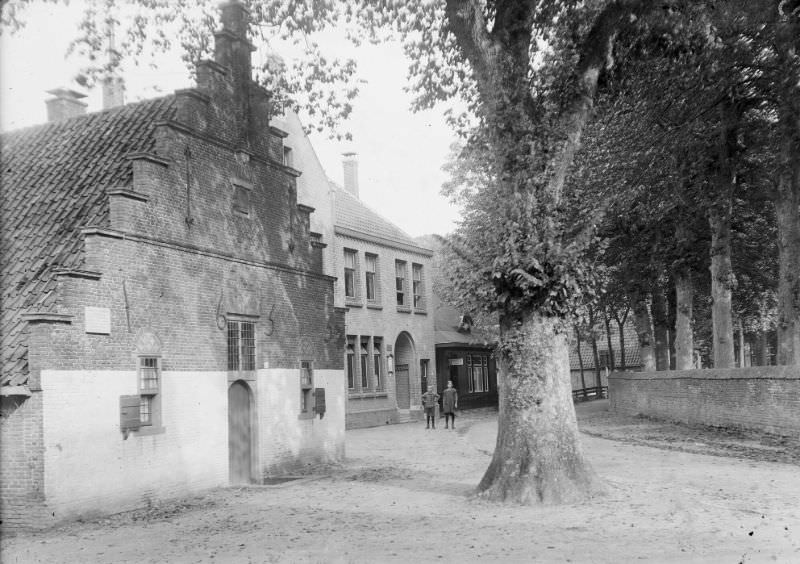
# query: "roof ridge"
[[74, 120]]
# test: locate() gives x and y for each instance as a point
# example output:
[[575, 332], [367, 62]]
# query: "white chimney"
[[64, 104], [350, 164]]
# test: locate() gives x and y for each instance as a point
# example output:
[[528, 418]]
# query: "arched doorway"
[[403, 367], [240, 435]]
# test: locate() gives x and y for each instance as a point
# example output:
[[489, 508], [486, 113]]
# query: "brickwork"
[[207, 229], [21, 462], [763, 398], [383, 318]]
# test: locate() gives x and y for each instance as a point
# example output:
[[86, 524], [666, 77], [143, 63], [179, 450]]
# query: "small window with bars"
[[306, 386], [241, 346], [149, 388]]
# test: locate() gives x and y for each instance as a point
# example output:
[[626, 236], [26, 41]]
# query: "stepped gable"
[[353, 214], [54, 182]]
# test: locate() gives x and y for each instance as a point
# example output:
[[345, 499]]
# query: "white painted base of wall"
[[89, 467]]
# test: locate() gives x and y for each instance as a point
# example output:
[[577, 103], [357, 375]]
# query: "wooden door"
[[239, 433], [402, 387]]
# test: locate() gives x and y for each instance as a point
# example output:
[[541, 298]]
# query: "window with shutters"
[[306, 389], [149, 389], [241, 346]]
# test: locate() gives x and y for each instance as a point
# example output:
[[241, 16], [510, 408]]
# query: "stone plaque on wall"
[[98, 320]]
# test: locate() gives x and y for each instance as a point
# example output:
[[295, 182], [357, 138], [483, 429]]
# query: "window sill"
[[418, 311], [306, 415], [147, 430], [367, 395], [403, 309], [374, 306], [353, 302]]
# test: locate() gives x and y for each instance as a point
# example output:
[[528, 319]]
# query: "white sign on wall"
[[456, 362], [98, 320]]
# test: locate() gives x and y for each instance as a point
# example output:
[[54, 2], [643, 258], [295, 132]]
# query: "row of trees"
[[689, 154]]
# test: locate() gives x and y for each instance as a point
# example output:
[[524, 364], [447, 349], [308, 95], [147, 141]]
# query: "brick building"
[[383, 281], [167, 324]]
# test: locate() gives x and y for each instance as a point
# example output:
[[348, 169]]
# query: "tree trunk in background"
[[538, 458], [580, 359], [722, 282], [611, 359], [763, 348], [719, 219], [644, 331], [593, 342], [787, 199], [741, 359], [621, 326], [684, 338], [661, 330]]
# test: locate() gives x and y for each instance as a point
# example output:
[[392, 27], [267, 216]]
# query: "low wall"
[[764, 398]]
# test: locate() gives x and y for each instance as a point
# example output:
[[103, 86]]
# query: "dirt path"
[[403, 496]]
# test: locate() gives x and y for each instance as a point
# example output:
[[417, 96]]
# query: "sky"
[[400, 153]]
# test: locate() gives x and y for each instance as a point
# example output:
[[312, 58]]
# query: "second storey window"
[[350, 274], [149, 386], [241, 345], [371, 269], [400, 281], [417, 286]]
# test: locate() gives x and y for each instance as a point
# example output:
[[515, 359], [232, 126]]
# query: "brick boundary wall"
[[764, 398]]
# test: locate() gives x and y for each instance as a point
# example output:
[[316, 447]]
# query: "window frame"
[[371, 281], [363, 365], [350, 364], [350, 274], [245, 361], [306, 389], [377, 359], [418, 286], [242, 187], [401, 283], [149, 395]]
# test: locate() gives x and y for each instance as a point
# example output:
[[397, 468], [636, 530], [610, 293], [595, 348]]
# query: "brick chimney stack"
[[113, 92], [350, 164], [64, 104], [231, 46]]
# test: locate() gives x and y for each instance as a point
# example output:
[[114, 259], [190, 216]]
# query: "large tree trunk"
[[621, 325], [661, 329], [644, 331], [722, 282], [684, 338], [538, 456]]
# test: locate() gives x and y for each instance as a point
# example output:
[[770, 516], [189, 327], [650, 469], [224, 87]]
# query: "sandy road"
[[404, 496]]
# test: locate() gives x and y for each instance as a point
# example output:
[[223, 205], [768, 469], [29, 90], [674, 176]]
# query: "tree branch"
[[466, 21]]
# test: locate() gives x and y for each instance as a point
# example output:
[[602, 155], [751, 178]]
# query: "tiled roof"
[[54, 178], [446, 322], [352, 213]]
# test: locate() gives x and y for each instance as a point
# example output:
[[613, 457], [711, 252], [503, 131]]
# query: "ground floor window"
[[477, 373], [306, 387], [350, 363], [241, 346], [149, 388]]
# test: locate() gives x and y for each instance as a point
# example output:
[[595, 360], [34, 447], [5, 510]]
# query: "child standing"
[[449, 404], [429, 400]]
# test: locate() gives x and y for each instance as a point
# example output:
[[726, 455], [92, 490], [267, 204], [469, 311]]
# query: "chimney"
[[64, 104], [350, 164], [113, 92], [231, 46]]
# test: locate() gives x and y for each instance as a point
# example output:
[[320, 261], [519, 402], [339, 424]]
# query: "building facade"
[[383, 281], [167, 322]]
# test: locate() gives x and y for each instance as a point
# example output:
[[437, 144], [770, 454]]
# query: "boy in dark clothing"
[[429, 400], [449, 404]]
